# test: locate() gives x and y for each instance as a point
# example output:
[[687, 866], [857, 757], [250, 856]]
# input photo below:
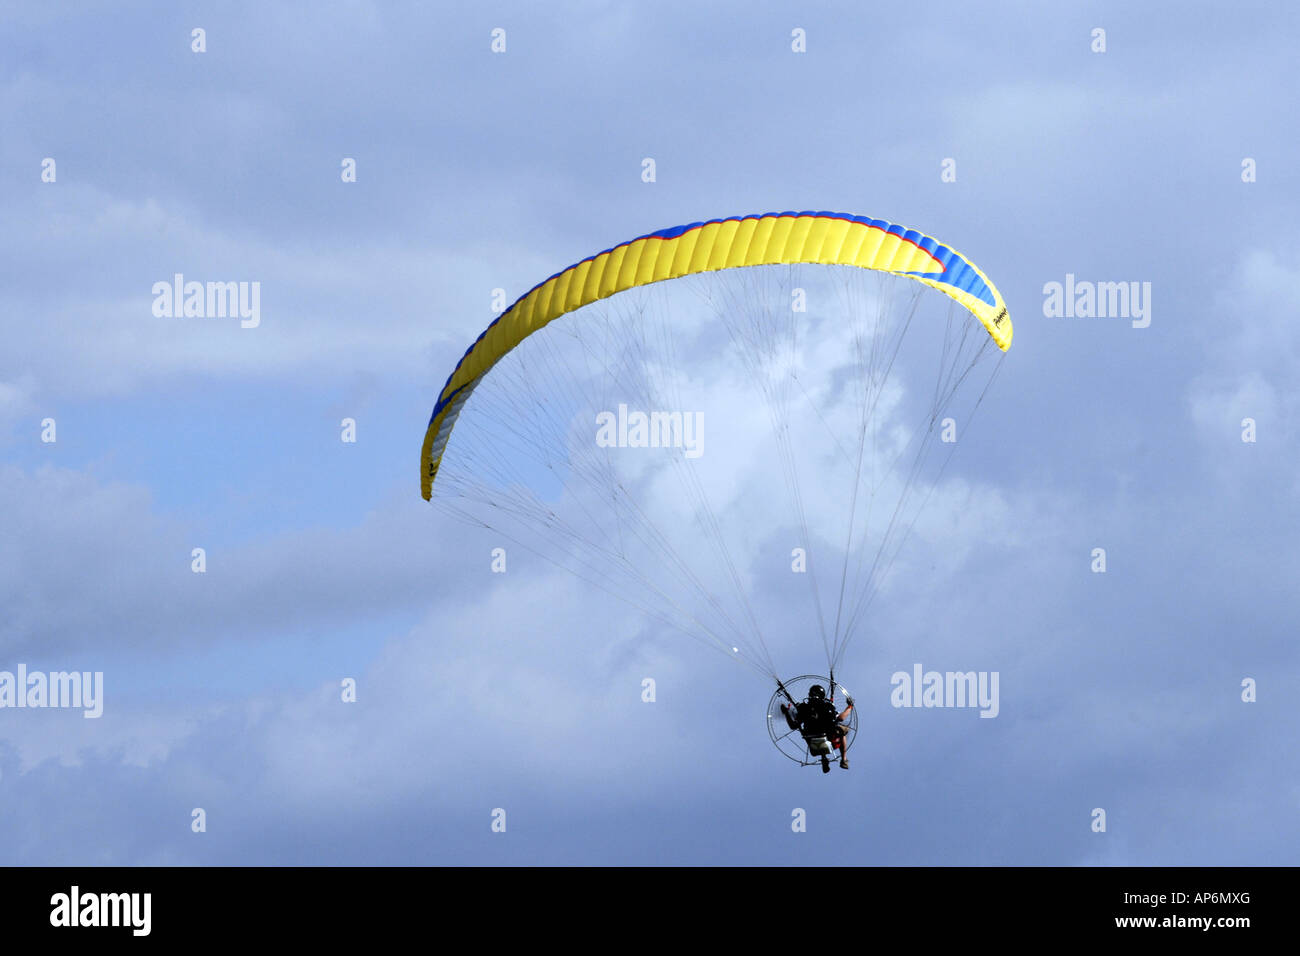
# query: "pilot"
[[816, 717]]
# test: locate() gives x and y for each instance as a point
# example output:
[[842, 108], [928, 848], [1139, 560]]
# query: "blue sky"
[[477, 691]]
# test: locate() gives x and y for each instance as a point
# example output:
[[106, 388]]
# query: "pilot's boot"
[[826, 764]]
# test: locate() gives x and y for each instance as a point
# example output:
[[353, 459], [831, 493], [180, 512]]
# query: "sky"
[[1147, 711]]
